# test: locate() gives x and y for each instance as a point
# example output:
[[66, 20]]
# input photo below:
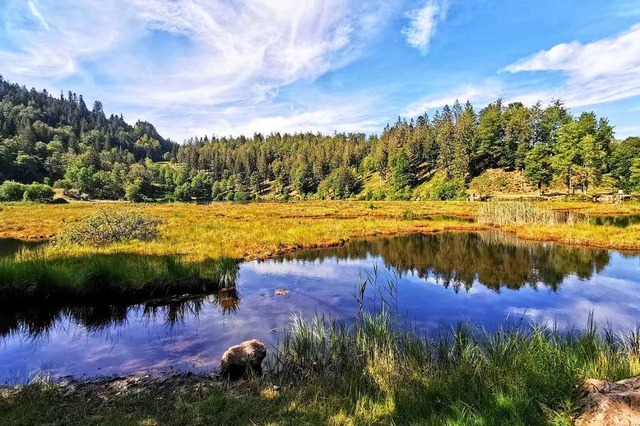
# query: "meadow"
[[258, 230], [198, 244]]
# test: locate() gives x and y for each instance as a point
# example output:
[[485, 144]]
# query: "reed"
[[464, 375], [524, 213]]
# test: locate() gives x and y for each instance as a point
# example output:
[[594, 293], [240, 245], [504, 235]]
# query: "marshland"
[[319, 212], [436, 302]]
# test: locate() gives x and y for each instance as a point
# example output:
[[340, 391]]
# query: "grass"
[[374, 372], [258, 230], [33, 277], [192, 235]]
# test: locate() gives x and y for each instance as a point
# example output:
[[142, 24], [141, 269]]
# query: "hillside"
[[60, 142]]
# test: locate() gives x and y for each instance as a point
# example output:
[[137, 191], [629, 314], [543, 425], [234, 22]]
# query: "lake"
[[484, 278]]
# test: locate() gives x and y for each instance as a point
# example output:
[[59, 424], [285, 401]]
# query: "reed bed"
[[525, 213], [464, 375]]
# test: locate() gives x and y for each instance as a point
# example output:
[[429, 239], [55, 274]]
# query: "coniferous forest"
[[52, 142]]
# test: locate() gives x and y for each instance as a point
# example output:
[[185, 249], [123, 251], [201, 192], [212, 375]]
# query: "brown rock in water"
[[609, 404], [243, 358]]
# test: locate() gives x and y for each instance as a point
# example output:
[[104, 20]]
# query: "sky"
[[231, 67]]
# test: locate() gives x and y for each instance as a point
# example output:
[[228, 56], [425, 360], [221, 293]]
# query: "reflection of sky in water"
[[147, 343]]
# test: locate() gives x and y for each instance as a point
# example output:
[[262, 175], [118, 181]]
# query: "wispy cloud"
[[34, 10], [602, 71], [479, 94], [424, 23], [229, 56]]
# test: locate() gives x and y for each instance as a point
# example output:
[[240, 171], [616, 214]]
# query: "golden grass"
[[264, 229]]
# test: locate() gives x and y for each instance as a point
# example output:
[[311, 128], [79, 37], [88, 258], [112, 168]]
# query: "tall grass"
[[524, 213], [34, 277], [465, 375]]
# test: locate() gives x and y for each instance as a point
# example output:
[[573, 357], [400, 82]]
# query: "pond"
[[440, 279]]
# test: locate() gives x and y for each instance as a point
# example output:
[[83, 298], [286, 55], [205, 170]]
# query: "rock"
[[605, 403], [243, 358]]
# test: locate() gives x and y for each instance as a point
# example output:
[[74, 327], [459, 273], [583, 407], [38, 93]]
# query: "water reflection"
[[617, 221], [39, 321], [458, 260], [441, 279]]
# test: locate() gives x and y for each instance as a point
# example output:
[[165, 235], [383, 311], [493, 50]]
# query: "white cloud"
[[602, 71], [232, 57], [34, 10], [423, 24], [325, 114], [66, 34], [479, 94]]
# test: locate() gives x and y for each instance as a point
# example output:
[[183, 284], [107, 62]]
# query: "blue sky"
[[196, 67]]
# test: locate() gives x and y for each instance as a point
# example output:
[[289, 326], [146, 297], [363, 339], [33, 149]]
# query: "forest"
[[56, 142]]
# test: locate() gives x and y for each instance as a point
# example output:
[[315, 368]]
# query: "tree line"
[[59, 142]]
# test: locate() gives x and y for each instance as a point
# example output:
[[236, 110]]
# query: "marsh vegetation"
[[483, 369], [375, 371], [525, 213]]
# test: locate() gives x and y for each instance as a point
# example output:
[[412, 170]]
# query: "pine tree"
[[464, 142], [537, 166]]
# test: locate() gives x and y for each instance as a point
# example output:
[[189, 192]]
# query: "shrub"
[[241, 196], [107, 227], [441, 188], [39, 193], [133, 192], [449, 190], [12, 191], [341, 183]]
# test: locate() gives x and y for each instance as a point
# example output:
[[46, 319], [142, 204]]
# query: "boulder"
[[605, 403], [242, 359]]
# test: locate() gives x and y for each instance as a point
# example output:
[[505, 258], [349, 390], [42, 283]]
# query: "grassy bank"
[[179, 260], [374, 372], [258, 230], [34, 277]]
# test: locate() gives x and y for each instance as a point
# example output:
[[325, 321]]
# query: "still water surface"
[[441, 279]]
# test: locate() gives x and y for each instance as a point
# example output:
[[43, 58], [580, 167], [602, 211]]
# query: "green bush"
[[341, 183], [12, 191], [107, 227], [133, 192], [39, 193], [441, 188], [241, 196], [453, 189]]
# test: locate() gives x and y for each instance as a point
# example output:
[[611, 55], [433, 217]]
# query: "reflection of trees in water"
[[617, 221], [39, 321], [494, 259]]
